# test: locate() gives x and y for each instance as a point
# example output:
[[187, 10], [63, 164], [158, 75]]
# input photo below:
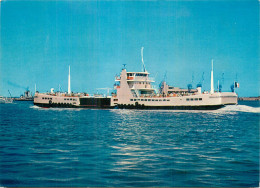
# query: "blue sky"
[[40, 39]]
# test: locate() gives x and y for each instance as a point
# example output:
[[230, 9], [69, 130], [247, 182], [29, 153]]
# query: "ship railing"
[[140, 79], [68, 95], [142, 87], [164, 95]]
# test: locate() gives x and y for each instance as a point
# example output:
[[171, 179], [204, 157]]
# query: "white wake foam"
[[34, 106], [240, 108], [226, 109], [57, 109]]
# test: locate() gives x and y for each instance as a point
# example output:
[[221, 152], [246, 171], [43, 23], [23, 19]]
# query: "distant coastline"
[[249, 98]]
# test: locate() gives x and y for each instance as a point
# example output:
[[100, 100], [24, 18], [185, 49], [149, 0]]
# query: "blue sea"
[[120, 148]]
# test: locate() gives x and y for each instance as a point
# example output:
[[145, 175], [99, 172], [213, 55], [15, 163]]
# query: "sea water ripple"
[[80, 147]]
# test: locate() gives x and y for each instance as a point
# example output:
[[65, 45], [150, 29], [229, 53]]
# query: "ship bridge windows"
[[140, 74]]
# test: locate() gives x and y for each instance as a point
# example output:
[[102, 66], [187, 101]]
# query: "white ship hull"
[[62, 101], [192, 102], [202, 101]]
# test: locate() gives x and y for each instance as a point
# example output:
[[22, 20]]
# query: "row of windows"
[[194, 99], [69, 99], [64, 103], [140, 82], [66, 99], [139, 74], [46, 98], [149, 99]]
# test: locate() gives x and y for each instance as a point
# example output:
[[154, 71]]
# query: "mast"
[[69, 91], [142, 54], [234, 86], [218, 85], [212, 79]]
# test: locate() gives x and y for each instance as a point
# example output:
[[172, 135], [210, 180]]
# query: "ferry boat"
[[134, 90]]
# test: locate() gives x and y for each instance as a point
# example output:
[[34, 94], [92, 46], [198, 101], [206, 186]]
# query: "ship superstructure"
[[135, 90]]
